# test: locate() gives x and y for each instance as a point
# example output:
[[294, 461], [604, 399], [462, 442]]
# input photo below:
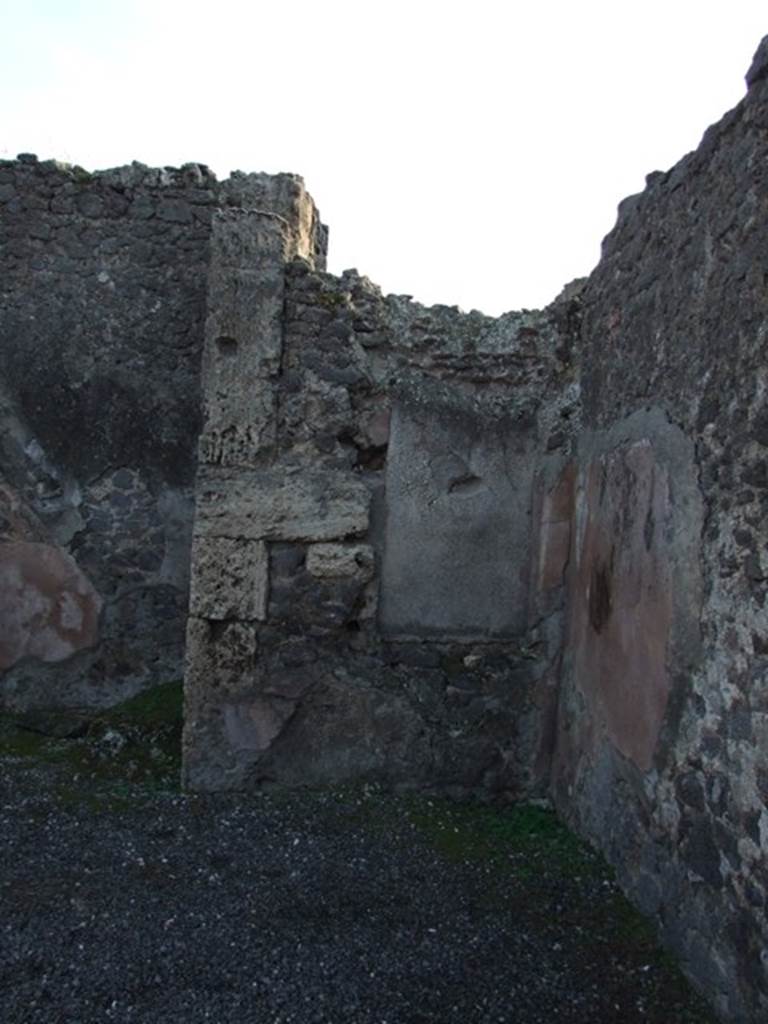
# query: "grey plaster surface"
[[457, 543]]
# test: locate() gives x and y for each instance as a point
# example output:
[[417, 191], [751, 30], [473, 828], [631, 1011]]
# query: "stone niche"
[[457, 535]]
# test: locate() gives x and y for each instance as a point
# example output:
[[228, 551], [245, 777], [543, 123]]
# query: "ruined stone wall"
[[371, 598], [430, 548], [661, 756], [102, 306]]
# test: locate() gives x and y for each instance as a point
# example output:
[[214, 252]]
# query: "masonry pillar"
[[229, 577]]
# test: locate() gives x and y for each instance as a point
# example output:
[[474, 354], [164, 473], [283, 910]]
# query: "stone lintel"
[[269, 504]]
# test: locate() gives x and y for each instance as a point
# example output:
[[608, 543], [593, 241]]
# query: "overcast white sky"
[[471, 152]]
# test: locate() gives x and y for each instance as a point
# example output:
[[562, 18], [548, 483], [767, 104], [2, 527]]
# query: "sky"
[[471, 153]]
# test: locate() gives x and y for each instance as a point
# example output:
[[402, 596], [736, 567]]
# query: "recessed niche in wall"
[[457, 536]]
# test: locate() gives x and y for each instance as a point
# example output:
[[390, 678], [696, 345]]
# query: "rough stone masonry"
[[521, 556]]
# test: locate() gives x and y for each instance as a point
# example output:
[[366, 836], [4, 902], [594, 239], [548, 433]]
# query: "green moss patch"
[[523, 838], [537, 867], [104, 755], [161, 707]]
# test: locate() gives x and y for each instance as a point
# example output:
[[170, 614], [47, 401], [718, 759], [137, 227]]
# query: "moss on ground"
[[550, 880], [160, 707], [514, 838], [109, 755], [558, 879]]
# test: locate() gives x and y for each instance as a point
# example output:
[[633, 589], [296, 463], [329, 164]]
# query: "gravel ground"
[[121, 902]]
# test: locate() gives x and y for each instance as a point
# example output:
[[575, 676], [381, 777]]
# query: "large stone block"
[[244, 327], [246, 239], [220, 661], [243, 335], [341, 561], [305, 504], [286, 196], [229, 578], [238, 444]]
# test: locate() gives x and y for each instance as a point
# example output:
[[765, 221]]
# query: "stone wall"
[[367, 599], [520, 556], [661, 752], [102, 306]]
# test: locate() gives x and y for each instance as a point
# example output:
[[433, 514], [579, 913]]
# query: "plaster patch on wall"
[[622, 606], [634, 591], [457, 541], [48, 607]]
